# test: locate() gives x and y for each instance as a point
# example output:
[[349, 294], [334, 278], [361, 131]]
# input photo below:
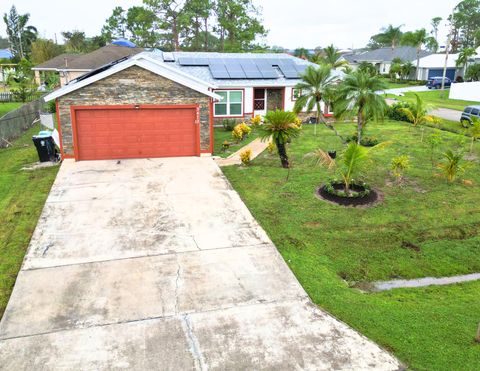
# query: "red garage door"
[[113, 132]]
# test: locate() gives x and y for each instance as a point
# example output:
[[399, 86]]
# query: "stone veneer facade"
[[133, 85]]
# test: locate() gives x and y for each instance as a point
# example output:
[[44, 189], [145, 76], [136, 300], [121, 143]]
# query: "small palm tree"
[[464, 56], [407, 68], [417, 112], [280, 126], [419, 39], [350, 163], [315, 87], [358, 95], [452, 165], [474, 131], [367, 67]]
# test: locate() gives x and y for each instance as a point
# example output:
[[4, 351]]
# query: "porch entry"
[[267, 99]]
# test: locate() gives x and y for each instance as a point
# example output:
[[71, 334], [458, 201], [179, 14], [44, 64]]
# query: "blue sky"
[[307, 23]]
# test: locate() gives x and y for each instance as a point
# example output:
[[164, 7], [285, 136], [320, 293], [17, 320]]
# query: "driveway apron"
[[158, 264]]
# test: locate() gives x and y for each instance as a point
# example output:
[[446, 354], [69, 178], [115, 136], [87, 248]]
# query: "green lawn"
[[437, 98], [220, 135], [7, 107], [330, 248], [22, 195]]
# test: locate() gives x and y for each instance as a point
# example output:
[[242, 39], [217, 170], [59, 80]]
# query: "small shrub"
[[246, 156], [271, 147], [246, 130], [237, 133], [225, 145], [395, 111], [399, 165], [229, 124], [298, 122], [365, 141], [256, 121], [433, 140], [51, 107]]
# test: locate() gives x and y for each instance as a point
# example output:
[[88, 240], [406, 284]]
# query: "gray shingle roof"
[[90, 61], [405, 53]]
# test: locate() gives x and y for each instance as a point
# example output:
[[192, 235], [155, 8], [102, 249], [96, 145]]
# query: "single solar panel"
[[188, 61], [250, 68], [219, 71], [266, 69], [234, 69]]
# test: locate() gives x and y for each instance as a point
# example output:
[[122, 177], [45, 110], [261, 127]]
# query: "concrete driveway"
[[158, 264]]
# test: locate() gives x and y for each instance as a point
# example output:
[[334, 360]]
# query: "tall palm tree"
[[419, 39], [435, 22], [315, 86], [463, 57], [390, 35], [358, 95], [280, 126]]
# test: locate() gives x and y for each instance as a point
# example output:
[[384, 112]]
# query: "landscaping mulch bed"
[[368, 200]]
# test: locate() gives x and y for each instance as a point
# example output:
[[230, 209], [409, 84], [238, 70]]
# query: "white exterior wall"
[[384, 68], [466, 91], [289, 103], [248, 101]]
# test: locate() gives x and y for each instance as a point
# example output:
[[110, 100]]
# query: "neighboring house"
[[433, 65], [158, 104], [71, 66], [382, 58]]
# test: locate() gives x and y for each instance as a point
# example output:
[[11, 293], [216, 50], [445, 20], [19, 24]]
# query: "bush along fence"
[[14, 123]]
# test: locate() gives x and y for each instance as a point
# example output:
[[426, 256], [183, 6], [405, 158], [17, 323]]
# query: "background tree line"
[[208, 25]]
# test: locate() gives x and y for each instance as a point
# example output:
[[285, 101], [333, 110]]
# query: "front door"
[[274, 99]]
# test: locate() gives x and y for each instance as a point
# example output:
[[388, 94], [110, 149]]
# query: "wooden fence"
[[14, 123]]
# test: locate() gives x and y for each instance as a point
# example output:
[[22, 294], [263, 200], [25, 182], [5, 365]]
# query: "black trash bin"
[[45, 148]]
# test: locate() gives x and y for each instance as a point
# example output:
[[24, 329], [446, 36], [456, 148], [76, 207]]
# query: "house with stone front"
[[157, 104]]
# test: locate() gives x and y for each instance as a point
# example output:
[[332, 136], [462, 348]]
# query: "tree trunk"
[[206, 34], [417, 70], [282, 152], [359, 126], [175, 35]]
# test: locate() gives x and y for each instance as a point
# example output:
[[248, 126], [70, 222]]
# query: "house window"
[[230, 105], [296, 93], [259, 100]]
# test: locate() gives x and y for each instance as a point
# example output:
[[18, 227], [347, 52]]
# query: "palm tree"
[[419, 39], [332, 57], [463, 57], [358, 95], [301, 53], [350, 163], [367, 67], [389, 36], [474, 131], [417, 112], [280, 126], [315, 87], [435, 22], [406, 69]]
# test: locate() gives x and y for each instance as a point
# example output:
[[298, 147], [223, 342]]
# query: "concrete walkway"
[[158, 265], [257, 147]]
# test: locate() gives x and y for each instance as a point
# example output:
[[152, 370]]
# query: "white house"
[[432, 66]]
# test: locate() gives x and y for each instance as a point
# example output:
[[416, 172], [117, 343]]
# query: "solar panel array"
[[247, 68]]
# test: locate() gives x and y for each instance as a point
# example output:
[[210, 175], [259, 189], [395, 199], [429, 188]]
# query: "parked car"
[[468, 113], [436, 82]]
